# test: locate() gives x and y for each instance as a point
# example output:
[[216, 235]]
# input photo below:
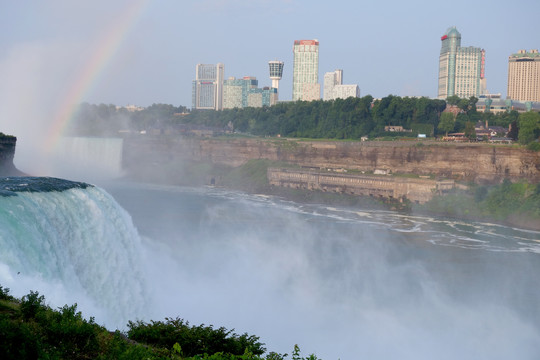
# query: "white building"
[[345, 91], [306, 70], [331, 79], [334, 88]]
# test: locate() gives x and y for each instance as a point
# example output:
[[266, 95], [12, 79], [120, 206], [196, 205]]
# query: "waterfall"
[[89, 157], [73, 240]]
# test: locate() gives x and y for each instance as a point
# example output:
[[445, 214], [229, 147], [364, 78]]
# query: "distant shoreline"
[[234, 179]]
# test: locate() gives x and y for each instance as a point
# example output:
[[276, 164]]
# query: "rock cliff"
[[479, 163], [7, 152]]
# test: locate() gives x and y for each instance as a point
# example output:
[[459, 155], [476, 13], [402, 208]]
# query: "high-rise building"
[[345, 91], [235, 91], [207, 88], [524, 76], [331, 79], [461, 69], [306, 70], [232, 93], [262, 97], [334, 88]]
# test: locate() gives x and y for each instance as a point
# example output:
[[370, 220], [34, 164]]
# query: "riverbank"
[[511, 204]]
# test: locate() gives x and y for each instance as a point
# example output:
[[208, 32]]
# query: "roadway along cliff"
[[479, 163]]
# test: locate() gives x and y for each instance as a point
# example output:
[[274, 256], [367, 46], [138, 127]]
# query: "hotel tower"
[[524, 76], [306, 70], [461, 69], [207, 88]]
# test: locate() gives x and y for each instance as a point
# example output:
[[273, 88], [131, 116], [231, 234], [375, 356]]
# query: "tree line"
[[350, 118]]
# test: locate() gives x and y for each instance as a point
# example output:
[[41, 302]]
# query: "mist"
[[340, 287], [36, 78]]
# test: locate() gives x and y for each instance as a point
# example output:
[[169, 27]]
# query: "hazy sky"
[[386, 47]]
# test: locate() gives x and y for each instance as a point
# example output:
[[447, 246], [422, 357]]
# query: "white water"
[[73, 246]]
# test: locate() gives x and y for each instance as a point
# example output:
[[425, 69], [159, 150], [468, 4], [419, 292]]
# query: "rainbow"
[[104, 51]]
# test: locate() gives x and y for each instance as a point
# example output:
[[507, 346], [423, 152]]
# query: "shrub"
[[193, 340], [4, 293], [534, 146], [31, 304]]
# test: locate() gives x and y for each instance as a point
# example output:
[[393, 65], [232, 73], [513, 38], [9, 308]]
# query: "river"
[[342, 283]]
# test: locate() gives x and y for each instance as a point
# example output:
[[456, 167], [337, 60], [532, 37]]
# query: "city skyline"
[[389, 48]]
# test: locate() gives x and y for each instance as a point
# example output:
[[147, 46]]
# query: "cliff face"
[[471, 162], [7, 152]]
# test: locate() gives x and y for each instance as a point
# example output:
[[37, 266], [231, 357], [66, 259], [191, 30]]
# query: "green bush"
[[4, 293], [31, 304], [193, 340], [29, 329], [534, 146]]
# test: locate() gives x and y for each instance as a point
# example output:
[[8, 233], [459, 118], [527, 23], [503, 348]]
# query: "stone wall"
[[390, 187]]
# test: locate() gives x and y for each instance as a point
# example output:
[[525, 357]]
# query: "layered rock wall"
[[467, 162]]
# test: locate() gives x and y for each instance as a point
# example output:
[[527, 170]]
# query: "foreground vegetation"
[[30, 329]]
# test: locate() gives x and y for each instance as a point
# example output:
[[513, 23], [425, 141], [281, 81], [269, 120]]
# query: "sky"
[[386, 47], [56, 54]]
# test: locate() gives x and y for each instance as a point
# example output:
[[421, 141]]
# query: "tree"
[[453, 100], [461, 121], [470, 132], [447, 122], [529, 127], [514, 130]]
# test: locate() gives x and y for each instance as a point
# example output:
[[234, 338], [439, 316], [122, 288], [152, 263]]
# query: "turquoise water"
[[72, 242], [340, 282]]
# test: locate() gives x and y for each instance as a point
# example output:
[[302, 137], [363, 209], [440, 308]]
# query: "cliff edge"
[[7, 152], [479, 163]]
